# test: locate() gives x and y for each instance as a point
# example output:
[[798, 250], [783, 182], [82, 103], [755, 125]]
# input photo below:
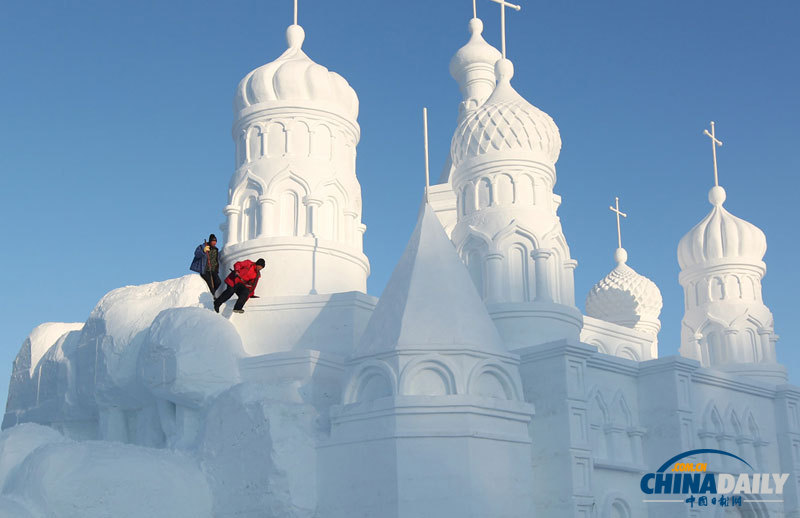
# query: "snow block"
[[94, 479], [190, 355], [10, 508], [117, 328], [24, 387], [258, 449], [19, 441]]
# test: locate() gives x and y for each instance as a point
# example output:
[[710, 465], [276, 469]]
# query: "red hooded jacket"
[[244, 272]]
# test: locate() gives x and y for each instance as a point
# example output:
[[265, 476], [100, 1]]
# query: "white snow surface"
[[190, 355], [120, 322], [45, 335], [94, 479], [18, 442]]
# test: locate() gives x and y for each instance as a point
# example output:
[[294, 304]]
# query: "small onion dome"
[[295, 78], [475, 53], [721, 237], [506, 122], [626, 298]]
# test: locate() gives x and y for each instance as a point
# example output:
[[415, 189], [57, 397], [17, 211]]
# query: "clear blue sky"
[[115, 145]]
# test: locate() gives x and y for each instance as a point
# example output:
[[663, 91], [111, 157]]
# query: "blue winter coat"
[[200, 262]]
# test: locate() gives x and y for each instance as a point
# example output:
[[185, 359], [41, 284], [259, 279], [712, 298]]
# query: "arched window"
[[505, 190], [289, 206], [598, 421], [250, 218], [517, 258], [276, 140], [328, 222], [484, 193], [475, 268]]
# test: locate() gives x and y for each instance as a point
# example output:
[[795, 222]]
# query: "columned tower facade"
[[508, 232], [294, 198]]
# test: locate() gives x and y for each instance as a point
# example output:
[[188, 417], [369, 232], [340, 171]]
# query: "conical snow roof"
[[626, 298], [430, 301], [295, 78], [721, 237]]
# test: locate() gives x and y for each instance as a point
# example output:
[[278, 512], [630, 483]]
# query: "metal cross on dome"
[[619, 213], [295, 12], [503, 5], [714, 143]]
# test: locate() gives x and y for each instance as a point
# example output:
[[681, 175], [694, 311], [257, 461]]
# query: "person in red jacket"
[[242, 281]]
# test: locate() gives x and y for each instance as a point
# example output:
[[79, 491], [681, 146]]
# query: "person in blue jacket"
[[206, 263]]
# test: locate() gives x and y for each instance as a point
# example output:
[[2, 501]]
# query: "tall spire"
[[427, 164]]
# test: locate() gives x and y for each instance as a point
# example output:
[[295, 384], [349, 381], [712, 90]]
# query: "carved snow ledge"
[[613, 364], [556, 348], [717, 378], [669, 364], [411, 350], [620, 466]]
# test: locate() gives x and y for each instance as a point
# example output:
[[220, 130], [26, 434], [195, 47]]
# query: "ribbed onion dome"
[[721, 237], [295, 77], [626, 298], [475, 53], [506, 122]]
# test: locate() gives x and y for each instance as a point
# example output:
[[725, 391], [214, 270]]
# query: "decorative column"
[[773, 339], [267, 216], [568, 294], [494, 276], [313, 205], [232, 213], [351, 217], [540, 257], [732, 351], [636, 433], [747, 450]]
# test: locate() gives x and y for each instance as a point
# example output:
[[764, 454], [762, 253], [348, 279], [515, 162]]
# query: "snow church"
[[473, 387]]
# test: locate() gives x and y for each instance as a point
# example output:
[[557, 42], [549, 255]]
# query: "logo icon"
[[680, 481]]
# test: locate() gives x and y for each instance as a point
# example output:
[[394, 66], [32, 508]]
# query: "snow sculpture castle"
[[472, 387]]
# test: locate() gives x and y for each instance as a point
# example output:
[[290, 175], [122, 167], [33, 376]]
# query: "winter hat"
[[211, 238], [261, 263]]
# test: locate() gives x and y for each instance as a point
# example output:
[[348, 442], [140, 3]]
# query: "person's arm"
[[199, 251]]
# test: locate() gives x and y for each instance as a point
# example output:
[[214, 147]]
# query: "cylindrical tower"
[[508, 233], [294, 198], [726, 324]]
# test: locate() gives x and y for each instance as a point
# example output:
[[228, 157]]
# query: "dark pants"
[[212, 279], [241, 291]]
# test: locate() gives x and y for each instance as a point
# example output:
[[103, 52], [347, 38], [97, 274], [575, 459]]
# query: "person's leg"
[[243, 293], [209, 279], [217, 282], [223, 297]]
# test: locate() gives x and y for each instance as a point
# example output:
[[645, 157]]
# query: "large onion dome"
[[295, 77], [506, 123], [721, 237]]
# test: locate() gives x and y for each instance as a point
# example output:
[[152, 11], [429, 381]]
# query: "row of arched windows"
[[501, 190], [735, 433], [518, 273], [277, 139], [724, 287], [611, 429]]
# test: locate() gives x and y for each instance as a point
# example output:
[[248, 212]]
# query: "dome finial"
[[295, 35], [620, 256]]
